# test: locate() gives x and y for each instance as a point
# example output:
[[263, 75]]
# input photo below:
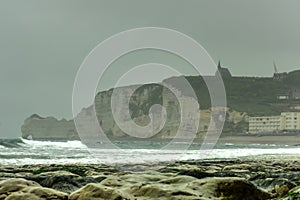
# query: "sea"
[[28, 152]]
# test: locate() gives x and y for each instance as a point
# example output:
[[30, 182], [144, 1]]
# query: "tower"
[[219, 65], [277, 75], [275, 68], [224, 72]]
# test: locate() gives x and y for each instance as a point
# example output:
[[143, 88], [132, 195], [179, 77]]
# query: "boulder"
[[94, 191], [231, 188], [18, 188], [282, 186], [38, 193], [63, 181], [154, 185], [10, 186], [293, 194]]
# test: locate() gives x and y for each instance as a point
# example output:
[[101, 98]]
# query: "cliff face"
[[245, 96], [49, 128], [139, 105]]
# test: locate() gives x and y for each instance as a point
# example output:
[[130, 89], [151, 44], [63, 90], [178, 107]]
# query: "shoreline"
[[291, 140], [248, 178]]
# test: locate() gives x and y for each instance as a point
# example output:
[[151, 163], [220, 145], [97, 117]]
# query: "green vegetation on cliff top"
[[256, 96]]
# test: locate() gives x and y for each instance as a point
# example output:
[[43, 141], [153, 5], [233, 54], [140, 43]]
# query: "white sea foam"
[[66, 144], [47, 152]]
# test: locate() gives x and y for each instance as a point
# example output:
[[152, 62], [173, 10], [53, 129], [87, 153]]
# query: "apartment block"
[[291, 120], [287, 121]]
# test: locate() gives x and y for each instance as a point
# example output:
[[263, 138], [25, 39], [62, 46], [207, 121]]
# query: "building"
[[224, 72], [283, 97], [265, 124], [287, 121], [291, 121], [279, 76], [295, 93]]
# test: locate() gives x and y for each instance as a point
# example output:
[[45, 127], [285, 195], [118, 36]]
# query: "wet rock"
[[94, 191], [244, 167], [32, 193], [86, 180], [230, 188], [281, 190], [16, 189], [58, 180], [205, 179], [282, 186], [10, 186], [293, 194], [269, 181], [154, 185], [64, 181]]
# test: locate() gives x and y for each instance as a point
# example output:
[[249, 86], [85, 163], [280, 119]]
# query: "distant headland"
[[246, 97]]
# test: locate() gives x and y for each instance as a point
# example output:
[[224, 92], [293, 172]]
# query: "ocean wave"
[[11, 143], [21, 151], [24, 143], [57, 144]]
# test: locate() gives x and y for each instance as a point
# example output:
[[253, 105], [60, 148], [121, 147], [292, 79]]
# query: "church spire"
[[275, 68], [219, 65], [224, 72]]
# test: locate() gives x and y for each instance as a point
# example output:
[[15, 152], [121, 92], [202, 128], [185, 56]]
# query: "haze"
[[43, 43]]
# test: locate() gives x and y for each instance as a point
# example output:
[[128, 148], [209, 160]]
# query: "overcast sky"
[[43, 43]]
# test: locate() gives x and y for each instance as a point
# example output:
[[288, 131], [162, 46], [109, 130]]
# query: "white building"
[[287, 121], [291, 120], [283, 97]]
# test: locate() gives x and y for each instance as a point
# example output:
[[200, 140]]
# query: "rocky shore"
[[265, 177]]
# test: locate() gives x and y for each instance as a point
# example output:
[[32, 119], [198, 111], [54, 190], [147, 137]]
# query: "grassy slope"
[[256, 96]]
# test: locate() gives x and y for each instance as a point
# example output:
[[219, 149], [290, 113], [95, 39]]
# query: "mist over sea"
[[25, 152]]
